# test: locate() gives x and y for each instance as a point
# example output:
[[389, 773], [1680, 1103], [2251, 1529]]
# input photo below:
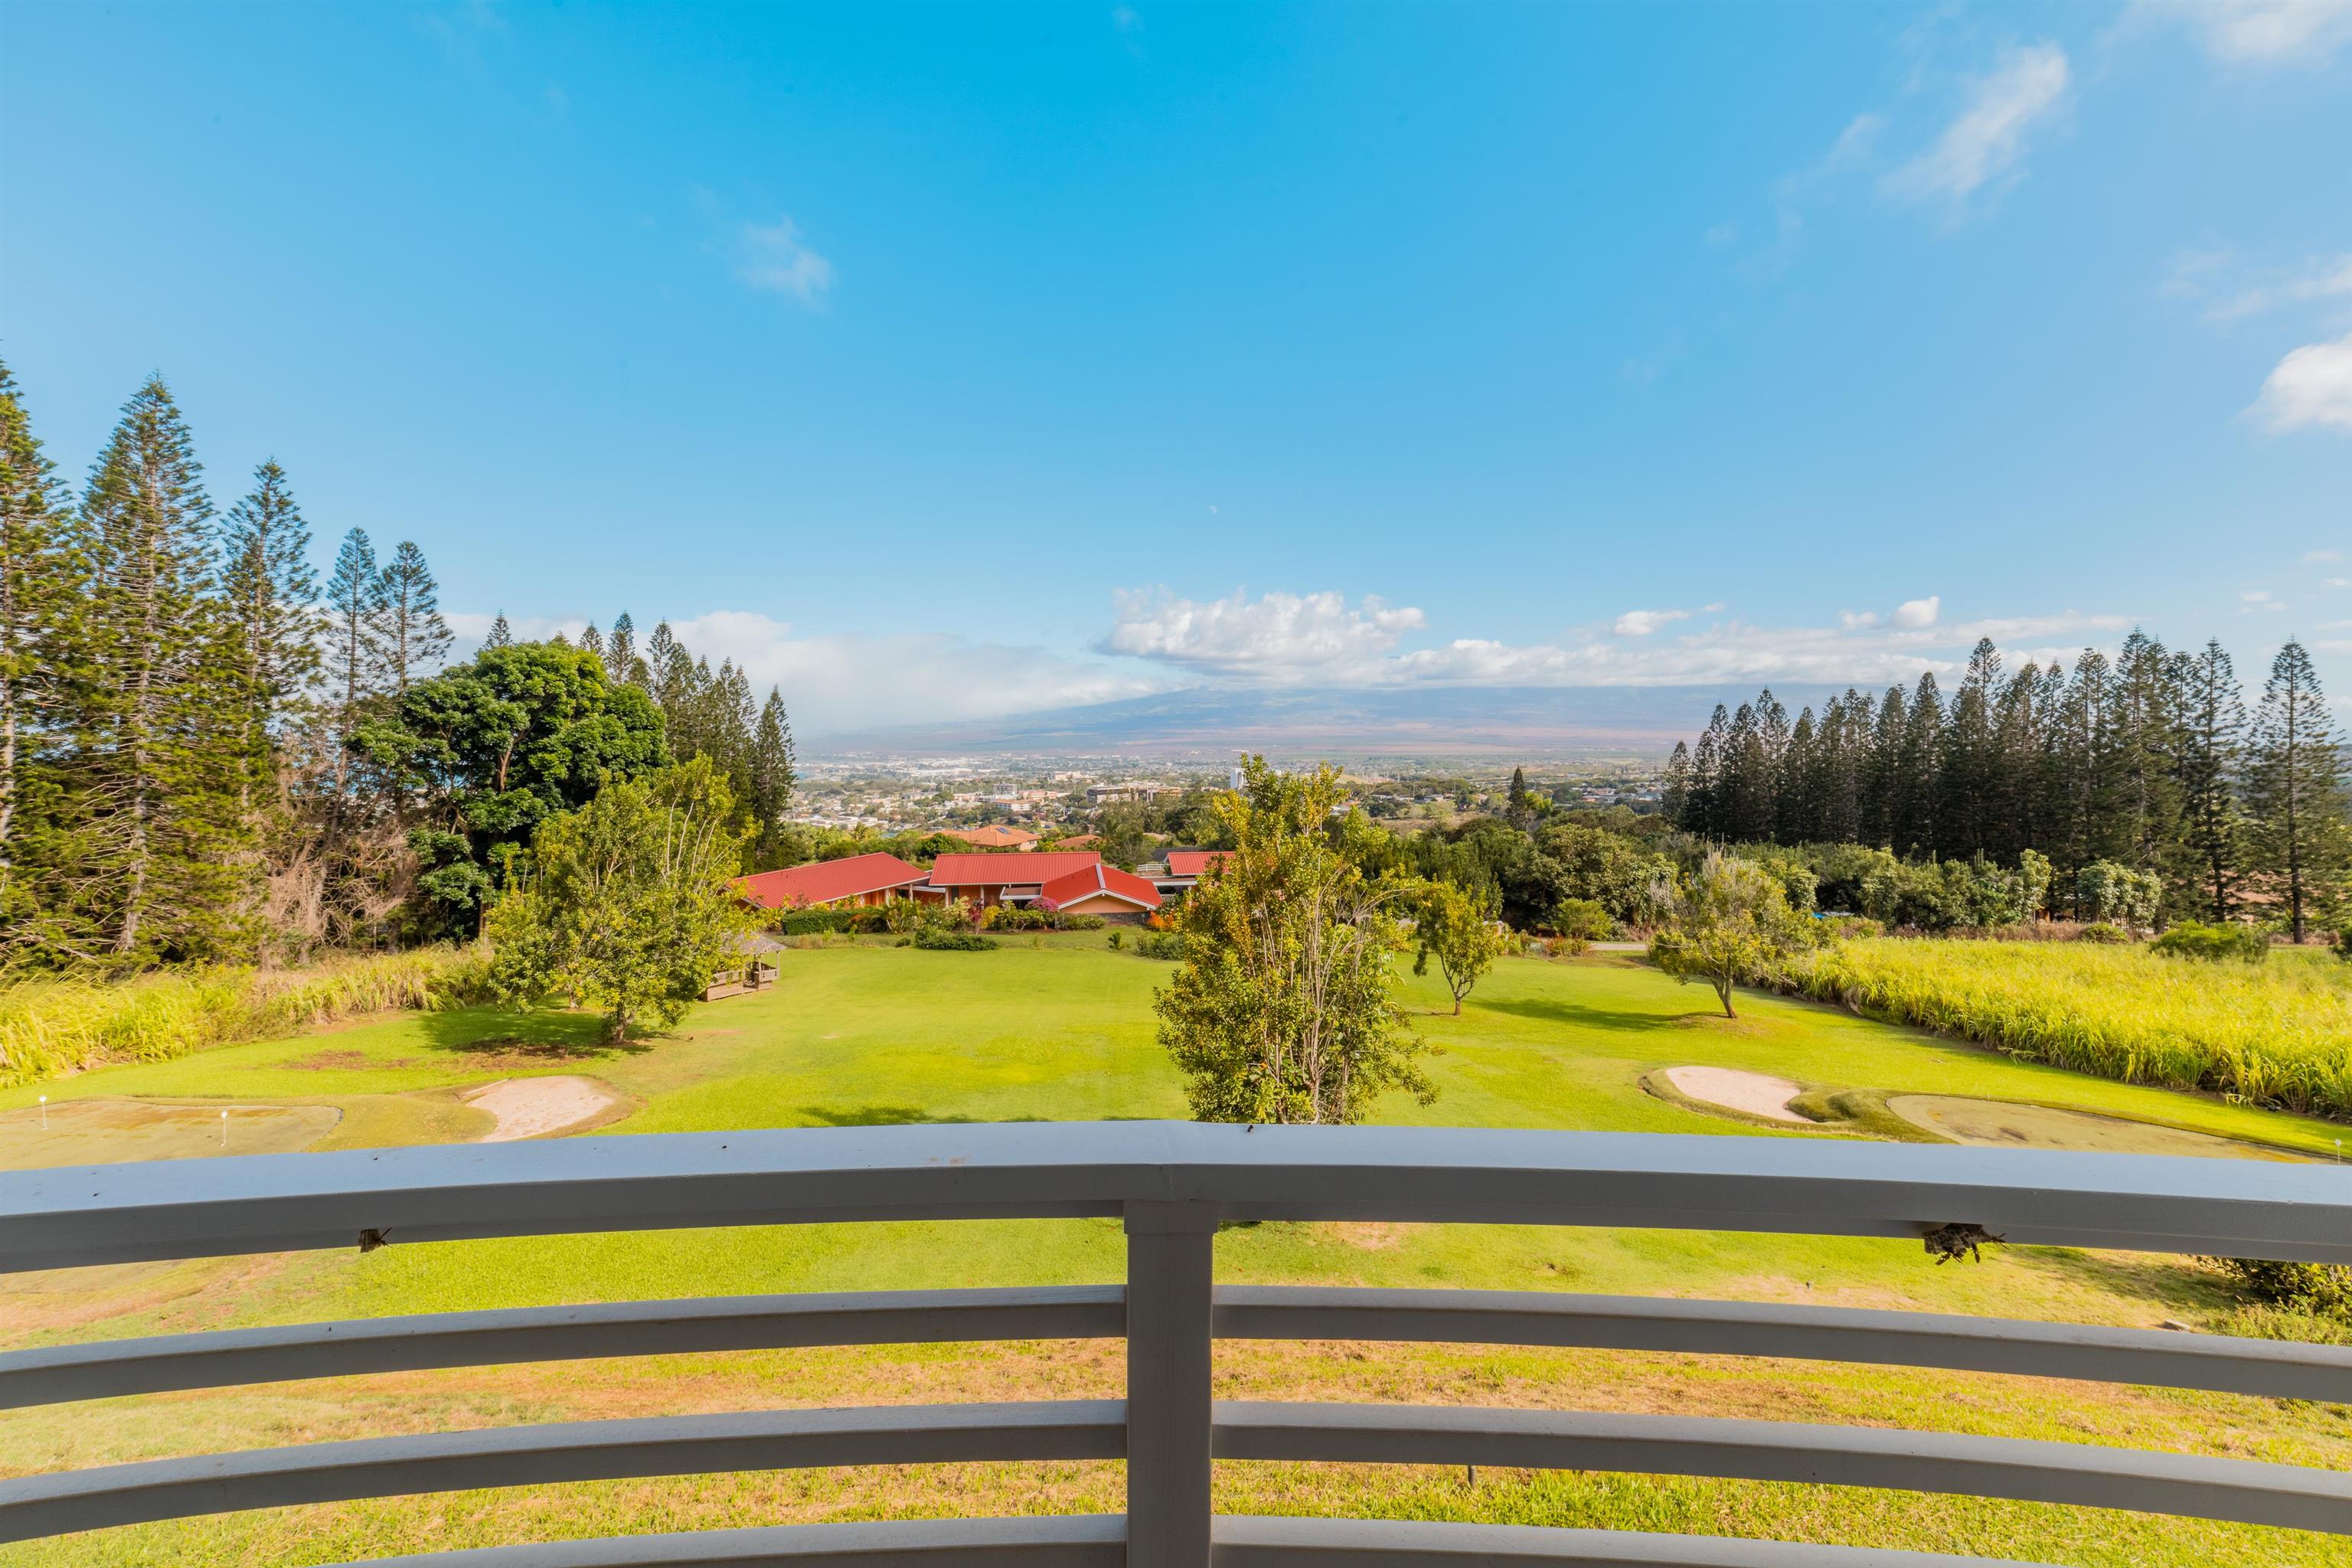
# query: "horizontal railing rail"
[[1173, 1184], [75, 1215], [2161, 1358]]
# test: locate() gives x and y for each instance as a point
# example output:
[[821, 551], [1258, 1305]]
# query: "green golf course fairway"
[[1062, 1029]]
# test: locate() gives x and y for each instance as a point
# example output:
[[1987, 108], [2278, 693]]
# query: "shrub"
[[1851, 928], [2213, 944], [1583, 918], [1565, 946], [1168, 946], [1118, 940], [947, 939], [809, 922], [2344, 944], [2321, 1290], [2102, 931]]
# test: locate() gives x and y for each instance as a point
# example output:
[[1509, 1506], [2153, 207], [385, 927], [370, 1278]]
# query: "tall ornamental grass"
[[2277, 1035], [52, 1026]]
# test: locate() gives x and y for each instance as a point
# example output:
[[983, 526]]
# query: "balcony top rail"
[[1173, 1184], [75, 1215]]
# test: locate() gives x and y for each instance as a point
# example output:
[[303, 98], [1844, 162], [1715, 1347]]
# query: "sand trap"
[[536, 1107], [1998, 1124], [1750, 1093]]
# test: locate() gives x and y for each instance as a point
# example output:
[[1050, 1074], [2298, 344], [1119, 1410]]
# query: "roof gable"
[[1098, 879]]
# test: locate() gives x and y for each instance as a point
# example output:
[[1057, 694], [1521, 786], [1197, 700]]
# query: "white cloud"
[[1317, 640], [1642, 623], [2311, 388], [2255, 595], [1273, 636], [1987, 139], [2261, 32], [1913, 614], [1857, 620], [2322, 557], [2318, 280], [834, 685], [773, 257], [2336, 583]]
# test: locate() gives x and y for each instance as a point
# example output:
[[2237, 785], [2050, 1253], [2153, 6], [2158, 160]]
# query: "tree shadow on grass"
[[1611, 1019], [2147, 1277], [876, 1116], [535, 1036]]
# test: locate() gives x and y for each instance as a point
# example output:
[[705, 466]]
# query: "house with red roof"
[[1075, 880], [1183, 870], [1100, 889], [866, 880]]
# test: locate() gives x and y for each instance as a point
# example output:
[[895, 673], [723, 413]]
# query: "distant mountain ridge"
[[1426, 722]]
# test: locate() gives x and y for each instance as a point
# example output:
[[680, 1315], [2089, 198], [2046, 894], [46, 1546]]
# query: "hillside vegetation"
[[2276, 1034], [53, 1026]]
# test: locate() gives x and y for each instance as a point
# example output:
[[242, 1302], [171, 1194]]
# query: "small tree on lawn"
[[1456, 927], [630, 908], [1727, 922], [1284, 1009]]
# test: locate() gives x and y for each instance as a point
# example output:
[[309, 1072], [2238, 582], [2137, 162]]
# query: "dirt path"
[[1750, 1093], [537, 1107]]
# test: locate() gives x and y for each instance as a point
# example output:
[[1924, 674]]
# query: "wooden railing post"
[[1169, 1274]]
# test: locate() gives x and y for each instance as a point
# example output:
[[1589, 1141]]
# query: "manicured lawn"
[[1063, 1029]]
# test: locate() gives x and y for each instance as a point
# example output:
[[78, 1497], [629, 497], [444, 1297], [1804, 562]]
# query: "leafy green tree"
[[1729, 921], [630, 906], [1284, 1008], [2117, 894], [2295, 793], [1458, 928], [486, 749]]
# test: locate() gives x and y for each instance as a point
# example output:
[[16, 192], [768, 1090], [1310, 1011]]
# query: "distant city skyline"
[[942, 364]]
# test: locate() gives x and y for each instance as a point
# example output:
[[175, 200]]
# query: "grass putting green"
[[1062, 1028], [109, 1131]]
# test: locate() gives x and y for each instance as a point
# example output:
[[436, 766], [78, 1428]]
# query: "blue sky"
[[942, 362]]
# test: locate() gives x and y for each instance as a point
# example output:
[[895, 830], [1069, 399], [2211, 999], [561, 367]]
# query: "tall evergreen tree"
[[592, 641], [621, 661], [1911, 810], [357, 660], [499, 634], [415, 638], [773, 773], [271, 596], [2212, 751], [1707, 776], [38, 595], [1969, 763], [2295, 793], [166, 872], [1673, 797], [2146, 755]]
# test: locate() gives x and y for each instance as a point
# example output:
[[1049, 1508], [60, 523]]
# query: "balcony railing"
[[1172, 1184]]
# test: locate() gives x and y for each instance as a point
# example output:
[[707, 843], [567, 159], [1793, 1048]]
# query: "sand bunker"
[[1750, 1093], [537, 1107], [1993, 1123]]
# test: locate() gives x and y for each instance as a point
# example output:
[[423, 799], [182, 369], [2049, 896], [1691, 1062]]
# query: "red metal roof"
[[1088, 880], [994, 835], [823, 881], [1009, 871], [1193, 862]]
